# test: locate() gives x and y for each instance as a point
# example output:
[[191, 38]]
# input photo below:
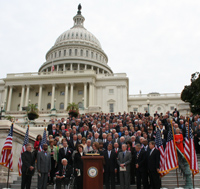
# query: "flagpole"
[[8, 171], [190, 146], [9, 165], [177, 178], [176, 153]]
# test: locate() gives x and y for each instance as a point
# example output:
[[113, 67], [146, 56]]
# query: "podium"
[[92, 172]]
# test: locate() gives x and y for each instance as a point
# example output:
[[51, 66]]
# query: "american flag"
[[190, 153], [170, 156], [44, 140], [53, 68], [26, 141], [6, 153], [159, 146]]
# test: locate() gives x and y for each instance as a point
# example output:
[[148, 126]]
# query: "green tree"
[[72, 106], [191, 93]]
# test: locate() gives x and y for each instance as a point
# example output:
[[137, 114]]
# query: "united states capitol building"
[[77, 70]]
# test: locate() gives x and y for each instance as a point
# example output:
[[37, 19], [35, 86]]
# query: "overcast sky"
[[157, 42]]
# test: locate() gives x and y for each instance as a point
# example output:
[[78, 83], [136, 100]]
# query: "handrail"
[[185, 169]]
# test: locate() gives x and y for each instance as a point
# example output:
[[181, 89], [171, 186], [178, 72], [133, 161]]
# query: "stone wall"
[[18, 139]]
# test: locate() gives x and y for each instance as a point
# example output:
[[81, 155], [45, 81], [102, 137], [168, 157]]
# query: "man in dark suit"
[[74, 143], [28, 167], [43, 167], [63, 174], [117, 151], [85, 131], [66, 153], [110, 166], [124, 161], [141, 167], [49, 127], [68, 137], [54, 131], [153, 166]]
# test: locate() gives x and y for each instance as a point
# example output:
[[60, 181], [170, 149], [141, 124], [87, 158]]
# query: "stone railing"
[[155, 95], [185, 169]]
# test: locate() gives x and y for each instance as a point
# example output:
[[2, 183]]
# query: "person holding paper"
[[124, 161]]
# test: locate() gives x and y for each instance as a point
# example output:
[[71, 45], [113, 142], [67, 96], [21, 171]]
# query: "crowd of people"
[[127, 142]]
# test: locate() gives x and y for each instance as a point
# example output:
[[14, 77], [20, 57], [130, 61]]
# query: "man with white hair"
[[88, 148], [63, 175], [138, 136], [96, 138], [116, 138], [124, 161], [122, 141]]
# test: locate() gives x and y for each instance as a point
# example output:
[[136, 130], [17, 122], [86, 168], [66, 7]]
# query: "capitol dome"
[[79, 35], [77, 49]]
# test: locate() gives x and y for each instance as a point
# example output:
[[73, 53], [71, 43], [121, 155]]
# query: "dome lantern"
[[78, 19]]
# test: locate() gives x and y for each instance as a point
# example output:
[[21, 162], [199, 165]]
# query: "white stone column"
[[97, 70], [71, 67], [71, 92], [85, 66], [53, 96], [92, 67], [94, 95], [63, 67], [27, 95], [5, 97], [85, 95], [102, 71], [78, 67], [9, 98], [91, 94], [22, 98], [57, 68], [40, 98], [66, 95]]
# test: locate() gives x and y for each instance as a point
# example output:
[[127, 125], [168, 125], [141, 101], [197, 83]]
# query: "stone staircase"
[[169, 181]]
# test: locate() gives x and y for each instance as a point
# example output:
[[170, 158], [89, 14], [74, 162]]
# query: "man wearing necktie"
[[117, 151], [141, 167], [110, 167], [154, 165], [63, 175], [43, 167], [124, 161], [65, 152]]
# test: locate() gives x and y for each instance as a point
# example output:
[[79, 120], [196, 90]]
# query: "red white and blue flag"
[[26, 141], [6, 153], [170, 161], [44, 140], [159, 146], [189, 151]]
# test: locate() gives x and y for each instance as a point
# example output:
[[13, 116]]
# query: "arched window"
[[76, 52], [70, 52], [81, 52], [48, 106], [61, 106], [87, 53]]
